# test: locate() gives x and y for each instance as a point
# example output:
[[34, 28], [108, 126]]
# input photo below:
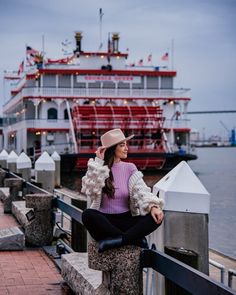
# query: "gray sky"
[[203, 33]]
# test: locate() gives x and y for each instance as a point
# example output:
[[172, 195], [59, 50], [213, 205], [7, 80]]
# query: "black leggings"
[[131, 228]]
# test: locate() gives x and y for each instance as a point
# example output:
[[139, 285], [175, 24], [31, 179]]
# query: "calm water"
[[216, 168]]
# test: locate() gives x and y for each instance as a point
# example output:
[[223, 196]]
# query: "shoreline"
[[214, 146]]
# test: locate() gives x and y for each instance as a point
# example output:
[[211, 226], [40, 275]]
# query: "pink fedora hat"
[[113, 137]]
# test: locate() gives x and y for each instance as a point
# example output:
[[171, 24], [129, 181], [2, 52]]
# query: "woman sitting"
[[123, 210]]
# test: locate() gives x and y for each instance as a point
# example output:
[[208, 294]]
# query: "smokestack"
[[115, 42], [78, 38]]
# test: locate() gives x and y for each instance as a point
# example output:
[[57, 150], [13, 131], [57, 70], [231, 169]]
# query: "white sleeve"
[[143, 198], [94, 179]]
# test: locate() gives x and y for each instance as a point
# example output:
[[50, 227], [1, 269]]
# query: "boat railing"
[[114, 93], [36, 123], [99, 92], [180, 123]]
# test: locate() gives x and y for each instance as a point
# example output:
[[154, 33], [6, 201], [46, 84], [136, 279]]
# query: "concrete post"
[[3, 159], [11, 161], [23, 166], [15, 186], [187, 205], [39, 231], [45, 172], [57, 160], [2, 176]]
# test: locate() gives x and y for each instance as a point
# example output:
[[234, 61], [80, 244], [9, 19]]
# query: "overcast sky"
[[204, 37]]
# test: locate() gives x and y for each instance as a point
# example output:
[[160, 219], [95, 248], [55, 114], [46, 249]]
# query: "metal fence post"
[[79, 233]]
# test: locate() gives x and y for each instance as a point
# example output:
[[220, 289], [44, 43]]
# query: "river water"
[[216, 169]]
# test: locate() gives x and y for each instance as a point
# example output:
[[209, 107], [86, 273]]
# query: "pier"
[[44, 268]]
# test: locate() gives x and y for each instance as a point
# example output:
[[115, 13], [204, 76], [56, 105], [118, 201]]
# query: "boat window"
[[49, 80], [166, 82], [52, 114], [66, 117]]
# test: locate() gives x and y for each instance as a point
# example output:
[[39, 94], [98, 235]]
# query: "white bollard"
[[45, 172], [3, 158], [57, 160], [11, 161], [23, 166], [185, 226]]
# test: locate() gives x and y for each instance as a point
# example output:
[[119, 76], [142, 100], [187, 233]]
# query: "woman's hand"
[[100, 152], [157, 214]]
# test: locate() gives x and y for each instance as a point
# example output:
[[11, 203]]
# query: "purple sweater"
[[120, 203]]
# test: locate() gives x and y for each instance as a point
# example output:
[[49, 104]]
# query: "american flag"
[[31, 51], [21, 68], [165, 56], [149, 59], [140, 63]]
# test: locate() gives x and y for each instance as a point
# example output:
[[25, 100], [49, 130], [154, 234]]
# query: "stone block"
[[12, 167], [3, 163], [39, 232], [39, 201], [81, 279], [19, 211], [15, 185], [124, 266], [11, 239], [46, 178], [4, 193]]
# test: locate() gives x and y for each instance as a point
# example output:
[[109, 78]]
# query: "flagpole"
[[43, 44], [100, 28], [43, 49], [172, 54]]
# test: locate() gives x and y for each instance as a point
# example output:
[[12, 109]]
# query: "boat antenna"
[[100, 28]]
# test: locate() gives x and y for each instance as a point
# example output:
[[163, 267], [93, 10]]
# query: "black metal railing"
[[188, 278], [69, 209]]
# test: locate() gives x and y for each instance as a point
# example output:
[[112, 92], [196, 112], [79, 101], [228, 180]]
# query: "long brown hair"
[[109, 156]]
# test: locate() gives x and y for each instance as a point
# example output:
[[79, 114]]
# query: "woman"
[[123, 210]]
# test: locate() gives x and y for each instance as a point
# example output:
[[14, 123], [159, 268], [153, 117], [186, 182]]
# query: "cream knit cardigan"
[[141, 198]]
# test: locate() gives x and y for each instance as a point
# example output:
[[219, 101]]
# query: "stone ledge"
[[81, 279], [12, 239], [19, 211], [123, 263], [39, 201]]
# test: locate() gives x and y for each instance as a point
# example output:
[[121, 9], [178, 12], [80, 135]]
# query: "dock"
[[227, 262], [31, 271]]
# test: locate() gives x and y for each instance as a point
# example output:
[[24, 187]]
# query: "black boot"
[[142, 243], [110, 243]]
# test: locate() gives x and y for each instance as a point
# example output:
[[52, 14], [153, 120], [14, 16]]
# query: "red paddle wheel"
[[145, 122]]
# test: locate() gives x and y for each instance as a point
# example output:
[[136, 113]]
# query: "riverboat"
[[65, 105]]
